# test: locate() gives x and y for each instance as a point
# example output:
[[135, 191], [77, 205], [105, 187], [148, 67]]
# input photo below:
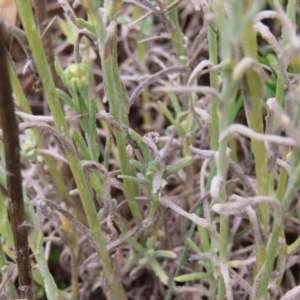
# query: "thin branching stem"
[[115, 92], [35, 135], [42, 66]]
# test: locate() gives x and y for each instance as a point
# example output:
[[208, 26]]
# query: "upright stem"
[[228, 95], [25, 11], [176, 35], [141, 53], [178, 44], [228, 53], [40, 8], [115, 92], [291, 14], [213, 76], [293, 183], [14, 179], [292, 188], [253, 94], [224, 222], [22, 102]]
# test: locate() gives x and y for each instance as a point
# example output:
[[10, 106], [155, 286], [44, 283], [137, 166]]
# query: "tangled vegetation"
[[150, 150]]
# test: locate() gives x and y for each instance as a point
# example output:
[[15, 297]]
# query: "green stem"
[[25, 11], [255, 121], [279, 89], [115, 93], [253, 96], [190, 235], [213, 57], [228, 95], [270, 256], [291, 9], [137, 12], [293, 247], [90, 210], [224, 222], [281, 186], [184, 252], [291, 14], [271, 253], [56, 175], [254, 117], [176, 35], [292, 188], [154, 204]]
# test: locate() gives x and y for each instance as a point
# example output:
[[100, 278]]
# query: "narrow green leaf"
[[91, 136], [193, 246], [192, 276], [159, 272], [180, 130], [141, 144], [136, 246], [87, 25], [139, 166], [135, 180], [97, 182], [58, 68], [107, 152], [144, 261], [182, 163], [165, 253], [66, 98], [36, 240], [5, 228], [81, 144], [175, 103]]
